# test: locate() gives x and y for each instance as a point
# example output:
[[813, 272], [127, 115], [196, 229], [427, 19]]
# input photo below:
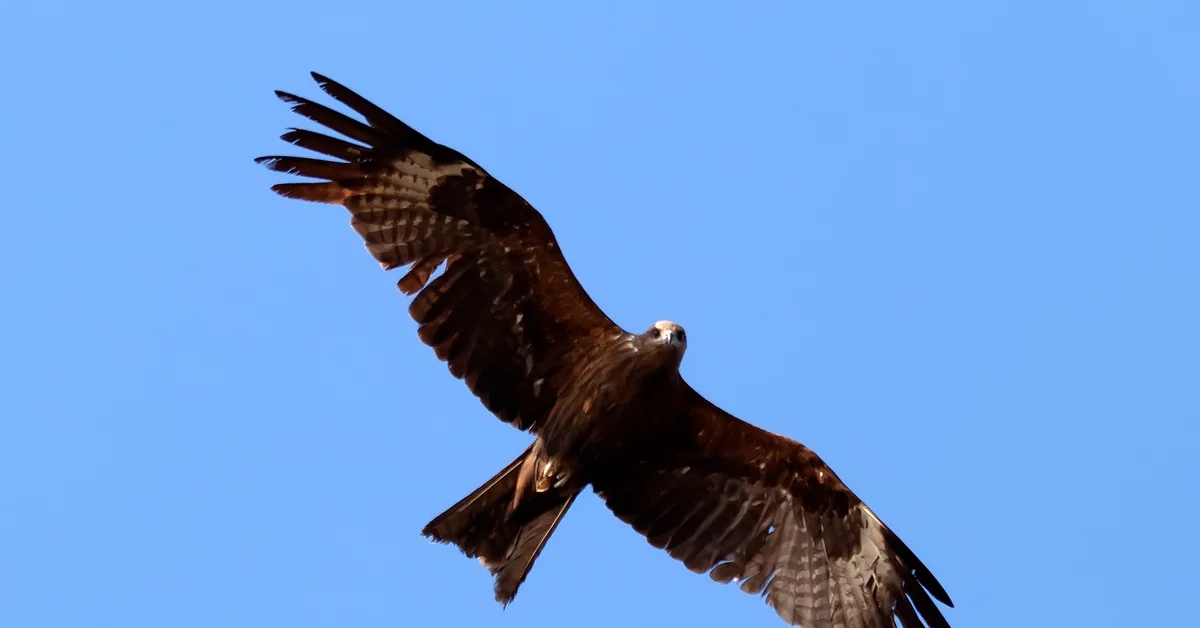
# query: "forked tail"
[[506, 543]]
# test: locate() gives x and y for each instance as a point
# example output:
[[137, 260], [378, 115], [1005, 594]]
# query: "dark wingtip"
[[274, 162], [931, 584], [284, 190], [918, 570], [925, 606], [326, 83], [286, 96], [269, 162]]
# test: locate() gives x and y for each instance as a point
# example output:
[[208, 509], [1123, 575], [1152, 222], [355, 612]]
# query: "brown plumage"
[[608, 408]]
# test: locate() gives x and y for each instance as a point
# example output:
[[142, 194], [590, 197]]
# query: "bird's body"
[[608, 408], [618, 398]]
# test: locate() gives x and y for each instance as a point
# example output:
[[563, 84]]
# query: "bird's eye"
[[682, 336], [656, 332]]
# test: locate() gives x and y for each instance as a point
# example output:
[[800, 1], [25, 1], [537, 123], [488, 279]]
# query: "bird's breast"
[[609, 409]]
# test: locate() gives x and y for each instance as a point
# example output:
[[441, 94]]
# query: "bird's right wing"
[[751, 507], [507, 306]]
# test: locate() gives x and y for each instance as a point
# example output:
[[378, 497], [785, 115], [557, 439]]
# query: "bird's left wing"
[[507, 311], [759, 509]]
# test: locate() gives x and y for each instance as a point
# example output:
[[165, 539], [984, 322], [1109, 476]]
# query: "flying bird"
[[608, 407]]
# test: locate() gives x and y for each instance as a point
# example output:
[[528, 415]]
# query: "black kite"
[[608, 407]]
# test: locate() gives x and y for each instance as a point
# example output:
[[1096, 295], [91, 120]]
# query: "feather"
[[324, 144], [608, 408], [818, 555], [419, 274]]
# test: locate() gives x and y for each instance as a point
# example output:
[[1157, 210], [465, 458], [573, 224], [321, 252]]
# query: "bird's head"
[[667, 337]]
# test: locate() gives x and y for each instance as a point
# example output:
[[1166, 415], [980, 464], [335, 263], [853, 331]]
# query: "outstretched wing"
[[507, 307], [749, 506]]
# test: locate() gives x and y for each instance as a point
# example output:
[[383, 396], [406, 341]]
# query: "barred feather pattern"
[[778, 523], [510, 319], [506, 305]]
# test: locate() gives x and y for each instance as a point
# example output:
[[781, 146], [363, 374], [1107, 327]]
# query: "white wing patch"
[[411, 179]]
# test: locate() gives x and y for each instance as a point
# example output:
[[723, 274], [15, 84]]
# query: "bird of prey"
[[607, 407]]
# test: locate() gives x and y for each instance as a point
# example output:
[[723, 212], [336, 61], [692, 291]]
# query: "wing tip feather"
[[917, 569], [924, 605], [321, 79], [289, 97]]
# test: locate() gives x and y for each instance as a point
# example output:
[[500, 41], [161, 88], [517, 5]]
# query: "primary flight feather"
[[608, 407]]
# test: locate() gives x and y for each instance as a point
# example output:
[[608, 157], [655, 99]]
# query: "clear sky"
[[952, 248]]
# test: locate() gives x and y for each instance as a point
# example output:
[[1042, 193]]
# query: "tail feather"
[[528, 545], [506, 543]]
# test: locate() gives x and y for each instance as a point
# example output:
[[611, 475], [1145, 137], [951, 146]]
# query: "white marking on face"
[[671, 334]]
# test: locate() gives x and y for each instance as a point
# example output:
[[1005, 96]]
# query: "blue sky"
[[952, 248]]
